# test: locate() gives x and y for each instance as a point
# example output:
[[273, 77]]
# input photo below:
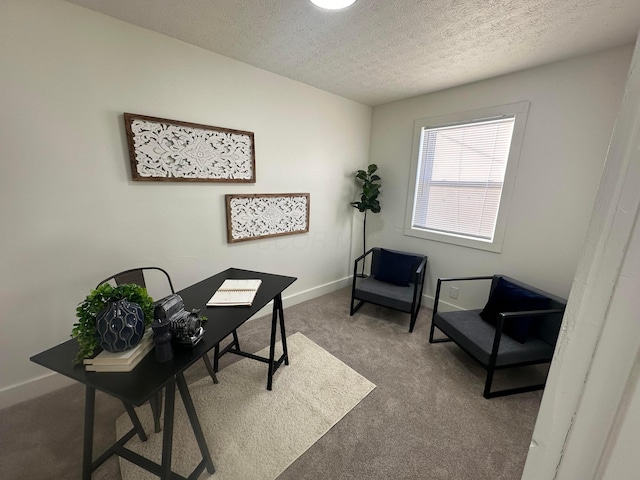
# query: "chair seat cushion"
[[468, 330], [386, 294], [396, 268]]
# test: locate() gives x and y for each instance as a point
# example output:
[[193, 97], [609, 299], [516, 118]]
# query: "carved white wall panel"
[[268, 215], [163, 149]]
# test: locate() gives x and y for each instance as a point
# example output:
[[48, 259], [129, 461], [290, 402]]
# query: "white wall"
[[69, 212], [573, 105]]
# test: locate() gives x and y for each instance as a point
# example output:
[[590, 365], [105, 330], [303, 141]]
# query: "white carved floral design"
[[166, 150], [256, 216]]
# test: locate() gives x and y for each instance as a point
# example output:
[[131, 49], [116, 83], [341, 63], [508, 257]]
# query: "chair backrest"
[[375, 259], [137, 277], [546, 327]]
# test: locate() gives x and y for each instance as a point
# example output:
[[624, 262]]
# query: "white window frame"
[[519, 111]]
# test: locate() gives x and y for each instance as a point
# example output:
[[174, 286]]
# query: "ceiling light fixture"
[[333, 4]]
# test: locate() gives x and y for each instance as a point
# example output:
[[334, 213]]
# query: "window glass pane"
[[461, 170], [463, 173]]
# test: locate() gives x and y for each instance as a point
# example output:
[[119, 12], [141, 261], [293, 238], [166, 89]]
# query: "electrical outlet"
[[453, 292]]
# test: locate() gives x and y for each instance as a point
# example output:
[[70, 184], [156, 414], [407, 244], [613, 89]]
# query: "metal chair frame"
[[492, 366], [417, 281]]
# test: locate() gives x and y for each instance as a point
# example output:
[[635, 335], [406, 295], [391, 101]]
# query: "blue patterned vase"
[[120, 326]]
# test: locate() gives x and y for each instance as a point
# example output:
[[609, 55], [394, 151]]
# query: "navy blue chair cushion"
[[508, 297], [396, 268]]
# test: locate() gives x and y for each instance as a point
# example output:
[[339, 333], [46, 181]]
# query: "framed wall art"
[[170, 150], [254, 216]]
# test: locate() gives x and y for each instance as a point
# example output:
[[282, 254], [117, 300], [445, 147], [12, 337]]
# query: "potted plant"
[[100, 299], [368, 197]]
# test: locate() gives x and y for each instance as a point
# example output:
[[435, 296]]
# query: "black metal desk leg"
[[235, 339], [195, 423], [282, 333], [156, 408], [216, 355], [272, 344], [210, 369], [87, 451], [136, 422], [167, 435]]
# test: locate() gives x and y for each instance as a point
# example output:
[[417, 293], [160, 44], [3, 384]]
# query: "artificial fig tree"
[[368, 197]]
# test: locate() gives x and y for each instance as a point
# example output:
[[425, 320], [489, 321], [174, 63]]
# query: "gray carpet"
[[426, 418], [253, 433]]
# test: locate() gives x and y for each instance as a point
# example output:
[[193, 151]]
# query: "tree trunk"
[[364, 242], [364, 234]]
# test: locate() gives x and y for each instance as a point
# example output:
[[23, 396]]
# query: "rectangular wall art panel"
[[266, 215], [170, 150]]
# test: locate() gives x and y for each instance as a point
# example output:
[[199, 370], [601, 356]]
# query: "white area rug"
[[254, 434]]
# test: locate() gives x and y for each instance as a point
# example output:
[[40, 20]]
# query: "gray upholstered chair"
[[396, 281], [518, 326]]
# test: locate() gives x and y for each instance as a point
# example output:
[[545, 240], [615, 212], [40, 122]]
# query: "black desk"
[[149, 377]]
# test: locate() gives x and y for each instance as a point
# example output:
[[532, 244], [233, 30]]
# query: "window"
[[462, 175]]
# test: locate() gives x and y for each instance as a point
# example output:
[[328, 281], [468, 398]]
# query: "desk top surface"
[[137, 386]]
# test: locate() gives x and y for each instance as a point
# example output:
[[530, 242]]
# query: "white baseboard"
[[38, 386], [317, 291], [290, 300], [441, 303], [33, 388]]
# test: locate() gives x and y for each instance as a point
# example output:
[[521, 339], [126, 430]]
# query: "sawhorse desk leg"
[[195, 424], [88, 464], [163, 470], [277, 317], [167, 434], [87, 449]]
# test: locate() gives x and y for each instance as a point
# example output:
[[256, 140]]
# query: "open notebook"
[[235, 293]]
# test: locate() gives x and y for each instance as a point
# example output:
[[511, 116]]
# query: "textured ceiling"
[[378, 51]]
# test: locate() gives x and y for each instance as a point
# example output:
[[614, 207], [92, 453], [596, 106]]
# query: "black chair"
[[529, 318], [139, 276], [396, 281]]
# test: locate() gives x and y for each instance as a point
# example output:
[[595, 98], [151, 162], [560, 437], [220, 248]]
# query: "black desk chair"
[[396, 281], [141, 276]]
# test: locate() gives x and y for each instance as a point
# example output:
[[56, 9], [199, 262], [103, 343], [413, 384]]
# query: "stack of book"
[[121, 361]]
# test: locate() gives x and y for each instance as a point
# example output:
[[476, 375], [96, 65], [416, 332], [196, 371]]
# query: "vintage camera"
[[185, 327]]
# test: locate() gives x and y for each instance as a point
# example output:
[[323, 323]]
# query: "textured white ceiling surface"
[[379, 51]]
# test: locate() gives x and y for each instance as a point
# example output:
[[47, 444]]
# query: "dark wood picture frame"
[[165, 150], [263, 215]]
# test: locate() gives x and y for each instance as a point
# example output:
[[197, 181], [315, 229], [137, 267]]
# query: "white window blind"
[[459, 181]]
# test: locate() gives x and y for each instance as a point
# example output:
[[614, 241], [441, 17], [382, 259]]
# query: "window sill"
[[494, 247]]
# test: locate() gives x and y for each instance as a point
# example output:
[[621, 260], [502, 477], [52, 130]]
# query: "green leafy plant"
[[368, 197], [84, 331]]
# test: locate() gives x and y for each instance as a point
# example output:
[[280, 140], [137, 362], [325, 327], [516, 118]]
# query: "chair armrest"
[[362, 256], [355, 264], [440, 280], [417, 275], [484, 277], [502, 316], [530, 313]]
